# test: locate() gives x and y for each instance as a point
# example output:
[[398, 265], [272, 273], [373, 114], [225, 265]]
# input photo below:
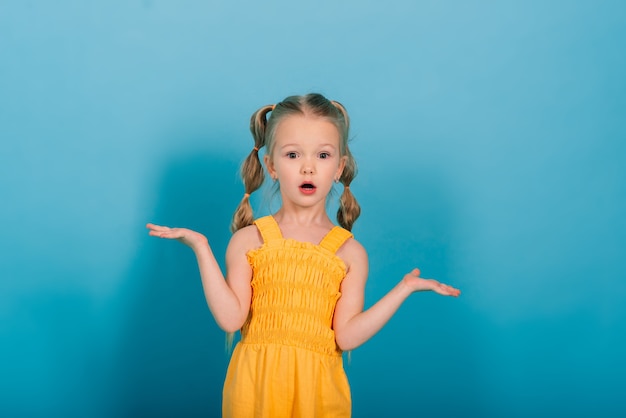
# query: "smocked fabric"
[[287, 363]]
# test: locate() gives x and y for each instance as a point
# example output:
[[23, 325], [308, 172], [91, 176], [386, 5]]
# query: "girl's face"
[[305, 159]]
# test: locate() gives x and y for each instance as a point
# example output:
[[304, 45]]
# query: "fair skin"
[[305, 160]]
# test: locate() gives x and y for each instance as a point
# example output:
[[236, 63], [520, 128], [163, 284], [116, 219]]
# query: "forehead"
[[306, 129]]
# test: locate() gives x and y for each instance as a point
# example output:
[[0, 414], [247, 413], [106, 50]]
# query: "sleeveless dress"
[[287, 363]]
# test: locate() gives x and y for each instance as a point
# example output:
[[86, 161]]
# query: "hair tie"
[[246, 195], [273, 107], [256, 149]]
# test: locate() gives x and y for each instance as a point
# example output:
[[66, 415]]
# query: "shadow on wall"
[[172, 359]]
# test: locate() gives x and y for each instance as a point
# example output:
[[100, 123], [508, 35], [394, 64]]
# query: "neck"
[[303, 218]]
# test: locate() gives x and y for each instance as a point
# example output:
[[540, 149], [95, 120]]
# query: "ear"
[[342, 165], [270, 166]]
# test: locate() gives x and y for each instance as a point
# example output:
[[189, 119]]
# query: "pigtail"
[[349, 209], [252, 169]]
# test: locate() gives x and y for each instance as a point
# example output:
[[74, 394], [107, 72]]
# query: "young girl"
[[295, 282]]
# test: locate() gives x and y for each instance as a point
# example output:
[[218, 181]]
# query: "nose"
[[307, 167]]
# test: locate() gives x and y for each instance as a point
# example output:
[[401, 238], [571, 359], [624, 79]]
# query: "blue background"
[[491, 143]]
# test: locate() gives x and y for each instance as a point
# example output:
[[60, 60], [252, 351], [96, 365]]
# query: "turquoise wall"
[[491, 143]]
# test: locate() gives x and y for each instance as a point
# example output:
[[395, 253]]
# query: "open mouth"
[[307, 188]]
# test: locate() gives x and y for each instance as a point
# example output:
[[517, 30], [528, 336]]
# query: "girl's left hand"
[[418, 284]]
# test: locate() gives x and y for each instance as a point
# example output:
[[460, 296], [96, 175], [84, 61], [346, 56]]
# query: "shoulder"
[[353, 254], [245, 239]]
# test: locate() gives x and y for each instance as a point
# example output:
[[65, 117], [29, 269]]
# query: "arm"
[[352, 325], [228, 298]]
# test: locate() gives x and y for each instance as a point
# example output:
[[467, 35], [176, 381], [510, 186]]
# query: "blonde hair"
[[263, 130]]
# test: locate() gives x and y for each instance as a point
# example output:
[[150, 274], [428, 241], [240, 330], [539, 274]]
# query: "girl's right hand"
[[188, 237]]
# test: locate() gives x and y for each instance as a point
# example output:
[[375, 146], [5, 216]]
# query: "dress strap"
[[335, 239], [268, 228]]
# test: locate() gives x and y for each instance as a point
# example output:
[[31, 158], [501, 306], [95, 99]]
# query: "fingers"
[[161, 231], [446, 290], [157, 227]]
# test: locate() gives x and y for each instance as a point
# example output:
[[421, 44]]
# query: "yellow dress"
[[287, 363]]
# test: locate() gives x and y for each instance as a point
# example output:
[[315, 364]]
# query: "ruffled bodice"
[[295, 288]]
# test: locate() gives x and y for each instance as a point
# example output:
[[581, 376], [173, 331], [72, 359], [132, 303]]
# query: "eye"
[[324, 155], [291, 155]]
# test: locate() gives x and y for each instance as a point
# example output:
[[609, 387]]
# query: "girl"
[[295, 282]]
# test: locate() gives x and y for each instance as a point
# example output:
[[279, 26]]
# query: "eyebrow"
[[297, 145]]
